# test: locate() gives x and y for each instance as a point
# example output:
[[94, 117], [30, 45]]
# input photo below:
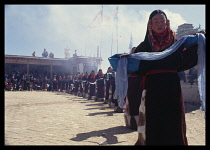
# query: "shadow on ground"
[[102, 108], [98, 104], [190, 106], [109, 134], [108, 113]]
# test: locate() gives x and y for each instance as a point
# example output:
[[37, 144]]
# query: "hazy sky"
[[30, 28]]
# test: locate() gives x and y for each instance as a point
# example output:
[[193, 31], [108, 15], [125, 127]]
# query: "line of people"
[[98, 87]]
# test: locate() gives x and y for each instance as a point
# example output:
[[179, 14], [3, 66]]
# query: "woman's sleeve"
[[189, 57]]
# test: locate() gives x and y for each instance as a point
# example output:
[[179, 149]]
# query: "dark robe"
[[76, 87], [80, 86], [44, 84], [100, 86], [55, 85], [112, 83], [133, 101], [164, 104], [92, 90], [134, 94], [85, 80], [63, 84], [107, 77], [60, 84]]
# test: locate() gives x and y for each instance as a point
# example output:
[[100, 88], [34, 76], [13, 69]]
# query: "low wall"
[[190, 93]]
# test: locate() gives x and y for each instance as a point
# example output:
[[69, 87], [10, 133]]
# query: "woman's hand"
[[123, 55]]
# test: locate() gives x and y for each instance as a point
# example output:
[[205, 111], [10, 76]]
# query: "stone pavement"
[[51, 118]]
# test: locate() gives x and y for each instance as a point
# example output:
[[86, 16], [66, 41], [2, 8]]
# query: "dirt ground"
[[52, 118]]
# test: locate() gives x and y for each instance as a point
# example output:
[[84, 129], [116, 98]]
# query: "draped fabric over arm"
[[121, 73], [121, 81]]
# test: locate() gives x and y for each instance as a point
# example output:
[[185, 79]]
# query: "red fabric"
[[133, 76], [100, 75], [92, 76], [184, 49], [160, 41], [161, 35]]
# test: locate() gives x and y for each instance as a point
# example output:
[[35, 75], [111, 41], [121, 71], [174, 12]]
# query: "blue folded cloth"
[[121, 65], [132, 65], [191, 39]]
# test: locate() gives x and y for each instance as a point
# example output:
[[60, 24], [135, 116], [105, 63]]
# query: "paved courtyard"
[[52, 118]]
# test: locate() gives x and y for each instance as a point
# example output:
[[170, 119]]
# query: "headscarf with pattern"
[[159, 41], [154, 41]]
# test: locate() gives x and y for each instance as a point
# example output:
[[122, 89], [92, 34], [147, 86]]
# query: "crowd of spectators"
[[20, 81]]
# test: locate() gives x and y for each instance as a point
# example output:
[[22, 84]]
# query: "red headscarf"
[[154, 42], [159, 41]]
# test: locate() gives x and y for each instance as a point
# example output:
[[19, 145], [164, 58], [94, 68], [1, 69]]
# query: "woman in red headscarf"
[[162, 112]]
